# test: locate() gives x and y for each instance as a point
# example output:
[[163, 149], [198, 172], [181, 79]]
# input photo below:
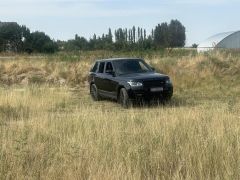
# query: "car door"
[[99, 78], [109, 80]]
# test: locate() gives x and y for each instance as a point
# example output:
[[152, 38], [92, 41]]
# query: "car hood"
[[143, 76]]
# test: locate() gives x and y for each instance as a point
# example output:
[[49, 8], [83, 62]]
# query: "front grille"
[[154, 83]]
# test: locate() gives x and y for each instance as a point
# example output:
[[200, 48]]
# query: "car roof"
[[115, 59]]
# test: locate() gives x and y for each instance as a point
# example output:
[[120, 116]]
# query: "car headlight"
[[168, 81], [135, 84]]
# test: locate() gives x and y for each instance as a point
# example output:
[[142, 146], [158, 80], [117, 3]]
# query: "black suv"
[[126, 80]]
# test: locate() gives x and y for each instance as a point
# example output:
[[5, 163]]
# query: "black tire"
[[123, 98], [167, 97], [94, 92]]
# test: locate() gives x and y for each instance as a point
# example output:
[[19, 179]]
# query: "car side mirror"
[[153, 68]]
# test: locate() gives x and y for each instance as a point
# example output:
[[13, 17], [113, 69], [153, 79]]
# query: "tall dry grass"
[[57, 132]]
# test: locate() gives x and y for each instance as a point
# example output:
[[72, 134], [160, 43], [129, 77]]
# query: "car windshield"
[[130, 66]]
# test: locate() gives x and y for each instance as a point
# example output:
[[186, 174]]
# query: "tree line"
[[17, 38]]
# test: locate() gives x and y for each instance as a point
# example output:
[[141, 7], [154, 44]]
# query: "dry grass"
[[58, 132]]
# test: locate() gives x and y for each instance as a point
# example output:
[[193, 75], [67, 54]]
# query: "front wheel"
[[94, 92], [123, 98], [167, 97]]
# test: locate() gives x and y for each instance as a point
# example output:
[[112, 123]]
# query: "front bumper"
[[146, 94]]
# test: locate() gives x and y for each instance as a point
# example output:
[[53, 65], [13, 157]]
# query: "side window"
[[109, 67], [94, 68], [101, 67]]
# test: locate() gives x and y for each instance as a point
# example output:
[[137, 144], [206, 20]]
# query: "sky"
[[62, 19]]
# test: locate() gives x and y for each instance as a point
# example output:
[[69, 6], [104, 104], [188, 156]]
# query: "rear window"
[[101, 67]]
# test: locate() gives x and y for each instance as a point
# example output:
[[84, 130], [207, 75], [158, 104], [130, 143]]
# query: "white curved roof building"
[[227, 40]]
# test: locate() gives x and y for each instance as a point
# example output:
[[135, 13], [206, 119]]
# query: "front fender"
[[122, 84]]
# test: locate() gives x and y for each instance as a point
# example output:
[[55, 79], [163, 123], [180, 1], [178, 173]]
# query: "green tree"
[[26, 39], [145, 34], [110, 36], [80, 43], [138, 33], [194, 45], [134, 34], [177, 34], [40, 42], [120, 39], [10, 37], [161, 36]]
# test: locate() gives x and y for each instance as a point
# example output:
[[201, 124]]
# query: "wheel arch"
[[118, 90]]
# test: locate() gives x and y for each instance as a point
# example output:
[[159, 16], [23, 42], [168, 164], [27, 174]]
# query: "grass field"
[[51, 129]]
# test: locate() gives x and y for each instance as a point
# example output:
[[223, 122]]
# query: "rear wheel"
[[94, 92], [123, 98]]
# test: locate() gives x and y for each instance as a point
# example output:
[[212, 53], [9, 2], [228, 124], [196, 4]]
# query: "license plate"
[[157, 89]]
